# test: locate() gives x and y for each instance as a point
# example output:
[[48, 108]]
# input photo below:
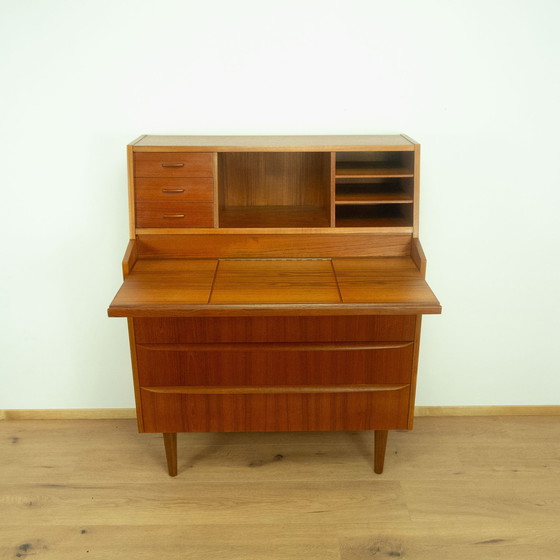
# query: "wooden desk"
[[249, 326]]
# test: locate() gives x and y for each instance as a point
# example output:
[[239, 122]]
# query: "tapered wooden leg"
[[380, 446], [170, 442]]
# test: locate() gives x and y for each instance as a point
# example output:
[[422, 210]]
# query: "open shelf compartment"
[[274, 189]]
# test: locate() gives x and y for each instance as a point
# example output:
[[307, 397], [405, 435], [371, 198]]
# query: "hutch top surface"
[[281, 142]]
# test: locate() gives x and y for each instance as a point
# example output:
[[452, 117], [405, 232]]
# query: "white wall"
[[475, 81]]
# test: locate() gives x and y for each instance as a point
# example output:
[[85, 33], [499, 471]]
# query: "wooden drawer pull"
[[173, 191], [171, 164], [174, 215]]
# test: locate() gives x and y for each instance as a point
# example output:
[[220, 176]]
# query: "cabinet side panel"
[[414, 374], [416, 213], [137, 393], [131, 198]]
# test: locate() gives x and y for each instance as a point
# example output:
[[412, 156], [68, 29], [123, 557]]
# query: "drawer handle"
[[174, 215], [171, 164], [173, 191]]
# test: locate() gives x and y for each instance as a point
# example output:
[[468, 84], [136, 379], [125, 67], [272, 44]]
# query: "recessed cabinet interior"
[[374, 189], [274, 189], [274, 283]]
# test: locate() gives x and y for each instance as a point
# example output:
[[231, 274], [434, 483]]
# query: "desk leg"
[[380, 446], [170, 442]]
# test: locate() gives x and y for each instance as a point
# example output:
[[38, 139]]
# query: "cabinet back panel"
[[280, 245], [274, 179]]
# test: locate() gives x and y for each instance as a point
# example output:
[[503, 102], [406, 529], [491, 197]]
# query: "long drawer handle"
[[173, 191], [174, 215], [335, 346], [272, 389], [171, 164]]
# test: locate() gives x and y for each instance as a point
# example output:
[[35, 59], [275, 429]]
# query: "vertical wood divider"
[[333, 190]]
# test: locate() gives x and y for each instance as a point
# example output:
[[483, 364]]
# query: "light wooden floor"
[[454, 488]]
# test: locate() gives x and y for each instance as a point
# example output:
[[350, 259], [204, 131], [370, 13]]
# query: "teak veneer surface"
[[228, 243], [171, 411], [274, 143], [295, 329], [345, 286], [253, 281]]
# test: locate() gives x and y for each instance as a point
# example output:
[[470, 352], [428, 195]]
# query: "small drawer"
[[185, 189], [174, 214], [172, 164]]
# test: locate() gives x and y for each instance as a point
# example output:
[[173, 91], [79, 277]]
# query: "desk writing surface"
[[181, 287], [167, 282], [262, 281], [383, 280]]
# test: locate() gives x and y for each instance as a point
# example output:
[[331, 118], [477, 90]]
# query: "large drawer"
[[274, 364], [173, 164], [274, 329], [174, 214], [183, 189], [177, 410]]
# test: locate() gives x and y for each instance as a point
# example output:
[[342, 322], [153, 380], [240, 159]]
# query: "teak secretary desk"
[[274, 283]]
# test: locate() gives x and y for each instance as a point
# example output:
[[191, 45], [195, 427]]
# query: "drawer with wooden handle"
[[274, 329], [276, 363], [186, 189], [172, 164], [174, 214], [250, 409]]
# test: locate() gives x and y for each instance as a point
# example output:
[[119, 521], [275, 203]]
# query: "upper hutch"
[[274, 283]]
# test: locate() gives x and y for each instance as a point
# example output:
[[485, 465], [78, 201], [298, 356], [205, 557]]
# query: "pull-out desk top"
[[214, 287]]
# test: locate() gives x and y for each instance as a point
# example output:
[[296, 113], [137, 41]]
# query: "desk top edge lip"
[[240, 310], [272, 143]]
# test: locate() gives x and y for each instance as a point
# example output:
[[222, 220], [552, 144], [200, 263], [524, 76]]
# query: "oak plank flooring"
[[461, 487]]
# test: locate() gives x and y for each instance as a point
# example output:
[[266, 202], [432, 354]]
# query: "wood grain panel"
[[273, 287], [150, 281], [233, 245], [176, 330], [130, 258], [172, 164], [274, 281], [364, 410], [174, 214], [299, 143], [274, 217], [191, 189], [274, 179], [387, 280], [270, 364]]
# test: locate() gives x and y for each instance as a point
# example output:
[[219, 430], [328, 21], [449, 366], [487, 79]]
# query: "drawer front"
[[274, 364], [164, 164], [174, 214], [275, 329], [171, 189], [168, 411]]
